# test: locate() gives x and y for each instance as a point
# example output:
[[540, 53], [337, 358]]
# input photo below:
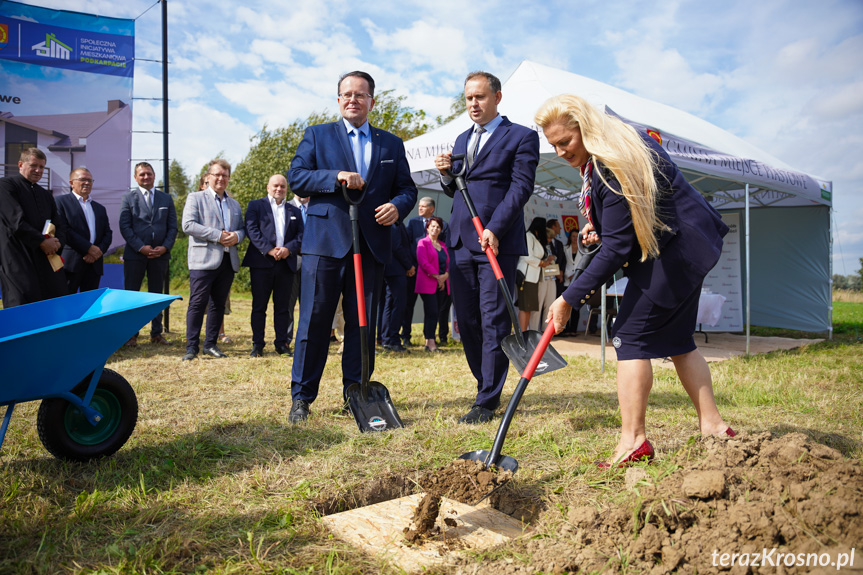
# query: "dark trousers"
[[432, 303], [85, 279], [444, 303], [277, 281], [324, 279], [156, 271], [394, 309], [208, 290], [483, 318], [292, 302], [410, 305]]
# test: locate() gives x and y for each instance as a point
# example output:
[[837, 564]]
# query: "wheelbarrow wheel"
[[66, 433]]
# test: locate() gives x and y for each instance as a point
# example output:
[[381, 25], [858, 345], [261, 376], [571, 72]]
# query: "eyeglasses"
[[84, 180], [223, 176], [358, 96]]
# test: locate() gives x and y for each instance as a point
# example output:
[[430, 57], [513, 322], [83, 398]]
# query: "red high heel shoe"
[[644, 451], [730, 432]]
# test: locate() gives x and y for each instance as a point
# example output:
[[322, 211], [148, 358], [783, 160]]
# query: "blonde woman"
[[649, 221]]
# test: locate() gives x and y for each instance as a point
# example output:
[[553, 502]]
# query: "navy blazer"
[[78, 232], [499, 181], [688, 250], [324, 152], [261, 230], [141, 226], [404, 257]]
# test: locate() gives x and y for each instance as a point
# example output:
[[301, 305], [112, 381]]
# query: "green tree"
[[456, 109], [860, 275]]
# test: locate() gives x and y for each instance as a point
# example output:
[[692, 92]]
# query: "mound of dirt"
[[749, 504], [465, 480]]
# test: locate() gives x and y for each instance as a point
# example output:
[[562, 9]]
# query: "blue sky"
[[783, 75]]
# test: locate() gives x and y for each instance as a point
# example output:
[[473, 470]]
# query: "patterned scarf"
[[584, 199]]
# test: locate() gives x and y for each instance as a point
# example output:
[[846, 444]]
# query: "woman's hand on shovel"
[[559, 313]]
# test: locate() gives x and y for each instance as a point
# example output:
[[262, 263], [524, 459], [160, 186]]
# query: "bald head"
[[277, 188]]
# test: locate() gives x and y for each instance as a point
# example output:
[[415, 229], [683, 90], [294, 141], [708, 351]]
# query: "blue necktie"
[[359, 152]]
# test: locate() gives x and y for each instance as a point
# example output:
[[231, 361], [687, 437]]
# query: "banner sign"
[[66, 88], [59, 47]]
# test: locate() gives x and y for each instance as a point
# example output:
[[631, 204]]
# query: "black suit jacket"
[[78, 233], [261, 230], [141, 226]]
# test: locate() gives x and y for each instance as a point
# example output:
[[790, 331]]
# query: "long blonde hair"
[[620, 149]]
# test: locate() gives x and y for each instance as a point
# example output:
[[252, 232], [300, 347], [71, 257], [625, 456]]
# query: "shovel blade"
[[373, 411], [519, 356], [504, 462]]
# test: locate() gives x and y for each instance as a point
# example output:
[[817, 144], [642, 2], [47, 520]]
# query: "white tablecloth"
[[710, 308]]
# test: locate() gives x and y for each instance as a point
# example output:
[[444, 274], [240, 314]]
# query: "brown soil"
[[424, 518], [465, 480], [745, 495]]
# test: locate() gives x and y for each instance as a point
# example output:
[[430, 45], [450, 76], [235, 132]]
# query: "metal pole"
[[167, 186], [602, 334], [748, 280]]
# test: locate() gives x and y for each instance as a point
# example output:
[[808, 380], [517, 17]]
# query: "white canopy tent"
[[787, 230]]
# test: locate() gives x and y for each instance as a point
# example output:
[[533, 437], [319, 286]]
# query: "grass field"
[[214, 478]]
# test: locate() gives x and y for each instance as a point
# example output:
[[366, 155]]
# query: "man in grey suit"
[[148, 223], [88, 233], [214, 223]]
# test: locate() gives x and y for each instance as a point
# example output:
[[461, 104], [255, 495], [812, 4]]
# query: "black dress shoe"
[[406, 342], [396, 348], [215, 352], [283, 350], [477, 414], [257, 351], [190, 355], [299, 411]]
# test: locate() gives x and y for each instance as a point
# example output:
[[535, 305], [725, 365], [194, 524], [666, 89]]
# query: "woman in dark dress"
[[652, 223]]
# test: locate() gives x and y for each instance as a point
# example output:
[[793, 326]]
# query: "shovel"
[[494, 457], [517, 347], [369, 401]]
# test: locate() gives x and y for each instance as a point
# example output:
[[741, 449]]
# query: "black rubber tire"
[[66, 434]]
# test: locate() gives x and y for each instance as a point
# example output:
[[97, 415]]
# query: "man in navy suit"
[[148, 223], [88, 233], [275, 231], [396, 274], [351, 151], [502, 159]]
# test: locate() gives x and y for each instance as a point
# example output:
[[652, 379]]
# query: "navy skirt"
[[644, 330]]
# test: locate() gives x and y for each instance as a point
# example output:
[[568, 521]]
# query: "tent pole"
[[602, 334], [748, 282]]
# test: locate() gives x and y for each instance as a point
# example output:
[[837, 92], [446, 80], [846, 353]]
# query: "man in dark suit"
[[148, 223], [396, 274], [213, 220], [416, 228], [559, 255], [351, 151], [275, 230], [26, 275], [88, 233], [301, 204], [501, 159]]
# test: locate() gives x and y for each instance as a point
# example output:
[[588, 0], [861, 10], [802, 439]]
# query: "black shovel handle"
[[360, 287], [489, 252], [503, 428]]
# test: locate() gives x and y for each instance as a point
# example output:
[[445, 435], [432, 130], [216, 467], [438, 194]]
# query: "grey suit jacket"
[[202, 222]]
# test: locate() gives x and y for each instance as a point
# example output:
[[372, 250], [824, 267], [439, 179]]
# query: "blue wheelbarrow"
[[55, 350]]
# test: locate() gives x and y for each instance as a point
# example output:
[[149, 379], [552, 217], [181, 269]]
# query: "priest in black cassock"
[[26, 275]]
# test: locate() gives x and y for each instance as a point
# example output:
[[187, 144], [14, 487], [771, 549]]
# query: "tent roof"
[[716, 162]]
